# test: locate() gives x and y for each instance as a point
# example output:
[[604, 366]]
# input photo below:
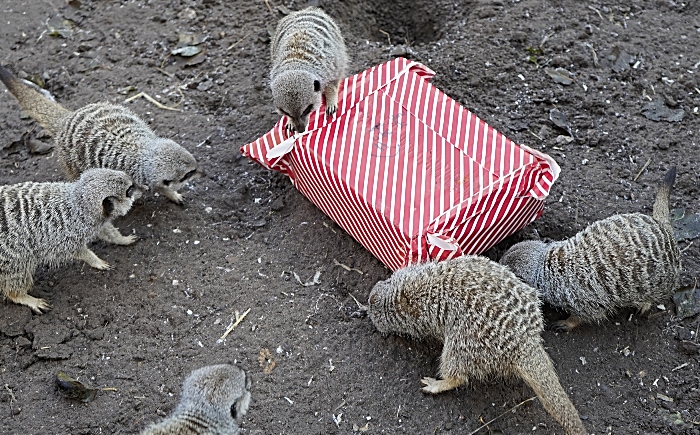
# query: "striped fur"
[[489, 321], [105, 135], [628, 260], [214, 401], [308, 59], [51, 224]]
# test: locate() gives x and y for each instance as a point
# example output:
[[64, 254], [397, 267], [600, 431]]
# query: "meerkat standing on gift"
[[51, 223], [308, 59], [625, 261], [105, 135]]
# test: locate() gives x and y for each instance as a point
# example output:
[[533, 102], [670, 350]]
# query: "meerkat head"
[[296, 94], [223, 389], [523, 259], [105, 194], [171, 165], [379, 298]]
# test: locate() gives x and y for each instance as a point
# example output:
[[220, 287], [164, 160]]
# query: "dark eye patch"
[[308, 110], [107, 206], [167, 182], [130, 191], [234, 411], [188, 175]]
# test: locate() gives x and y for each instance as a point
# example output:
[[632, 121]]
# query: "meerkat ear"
[[107, 206], [317, 86]]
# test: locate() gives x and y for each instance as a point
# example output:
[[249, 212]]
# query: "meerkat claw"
[[36, 304]]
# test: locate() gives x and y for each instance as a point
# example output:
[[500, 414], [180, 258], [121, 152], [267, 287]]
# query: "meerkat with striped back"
[[214, 401], [488, 320], [624, 261], [51, 223], [105, 135], [308, 59]]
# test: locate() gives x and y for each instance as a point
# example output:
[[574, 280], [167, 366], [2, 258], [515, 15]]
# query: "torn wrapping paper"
[[407, 171]]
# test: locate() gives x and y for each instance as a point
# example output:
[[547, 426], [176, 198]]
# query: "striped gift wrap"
[[408, 172]]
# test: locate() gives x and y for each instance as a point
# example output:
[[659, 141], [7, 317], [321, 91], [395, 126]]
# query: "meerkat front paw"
[[110, 234], [36, 304], [435, 386], [93, 260], [566, 325], [331, 109], [174, 196]]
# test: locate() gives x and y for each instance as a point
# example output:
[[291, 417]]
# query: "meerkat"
[[51, 223], [489, 321], [105, 135], [214, 401], [308, 59], [624, 261]]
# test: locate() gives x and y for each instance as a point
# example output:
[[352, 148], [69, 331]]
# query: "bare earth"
[[139, 329]]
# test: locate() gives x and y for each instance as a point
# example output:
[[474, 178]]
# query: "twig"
[[597, 12], [359, 305], [642, 170], [172, 76], [154, 102], [533, 133], [346, 267], [686, 248], [595, 55], [501, 415], [680, 367], [108, 389], [239, 319], [239, 41], [388, 37], [267, 2]]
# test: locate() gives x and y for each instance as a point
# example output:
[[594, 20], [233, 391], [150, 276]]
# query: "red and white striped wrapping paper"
[[407, 171]]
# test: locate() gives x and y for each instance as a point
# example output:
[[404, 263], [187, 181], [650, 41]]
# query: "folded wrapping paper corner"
[[407, 171]]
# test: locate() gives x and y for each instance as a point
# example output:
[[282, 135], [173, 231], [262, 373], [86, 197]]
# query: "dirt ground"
[[139, 329]]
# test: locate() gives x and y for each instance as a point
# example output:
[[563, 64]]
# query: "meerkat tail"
[[43, 110], [538, 372], [661, 212]]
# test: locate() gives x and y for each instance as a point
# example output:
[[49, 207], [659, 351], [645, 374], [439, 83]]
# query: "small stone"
[[277, 204], [23, 342]]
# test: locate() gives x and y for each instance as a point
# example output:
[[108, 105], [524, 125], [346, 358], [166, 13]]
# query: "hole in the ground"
[[401, 21]]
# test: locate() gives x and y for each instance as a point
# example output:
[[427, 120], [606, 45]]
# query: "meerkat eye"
[[317, 86], [130, 191], [188, 175], [167, 182], [107, 206], [234, 410], [308, 110]]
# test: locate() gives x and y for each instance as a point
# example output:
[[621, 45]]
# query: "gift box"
[[407, 171]]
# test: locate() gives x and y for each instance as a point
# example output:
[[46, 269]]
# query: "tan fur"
[[629, 260], [51, 223], [489, 321], [214, 401], [308, 59], [105, 135]]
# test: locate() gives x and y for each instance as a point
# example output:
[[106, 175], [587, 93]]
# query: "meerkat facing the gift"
[[308, 59]]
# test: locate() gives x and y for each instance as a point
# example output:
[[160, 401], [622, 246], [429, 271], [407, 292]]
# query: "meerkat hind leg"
[[92, 259], [331, 94], [110, 234], [567, 325], [435, 386], [36, 304]]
